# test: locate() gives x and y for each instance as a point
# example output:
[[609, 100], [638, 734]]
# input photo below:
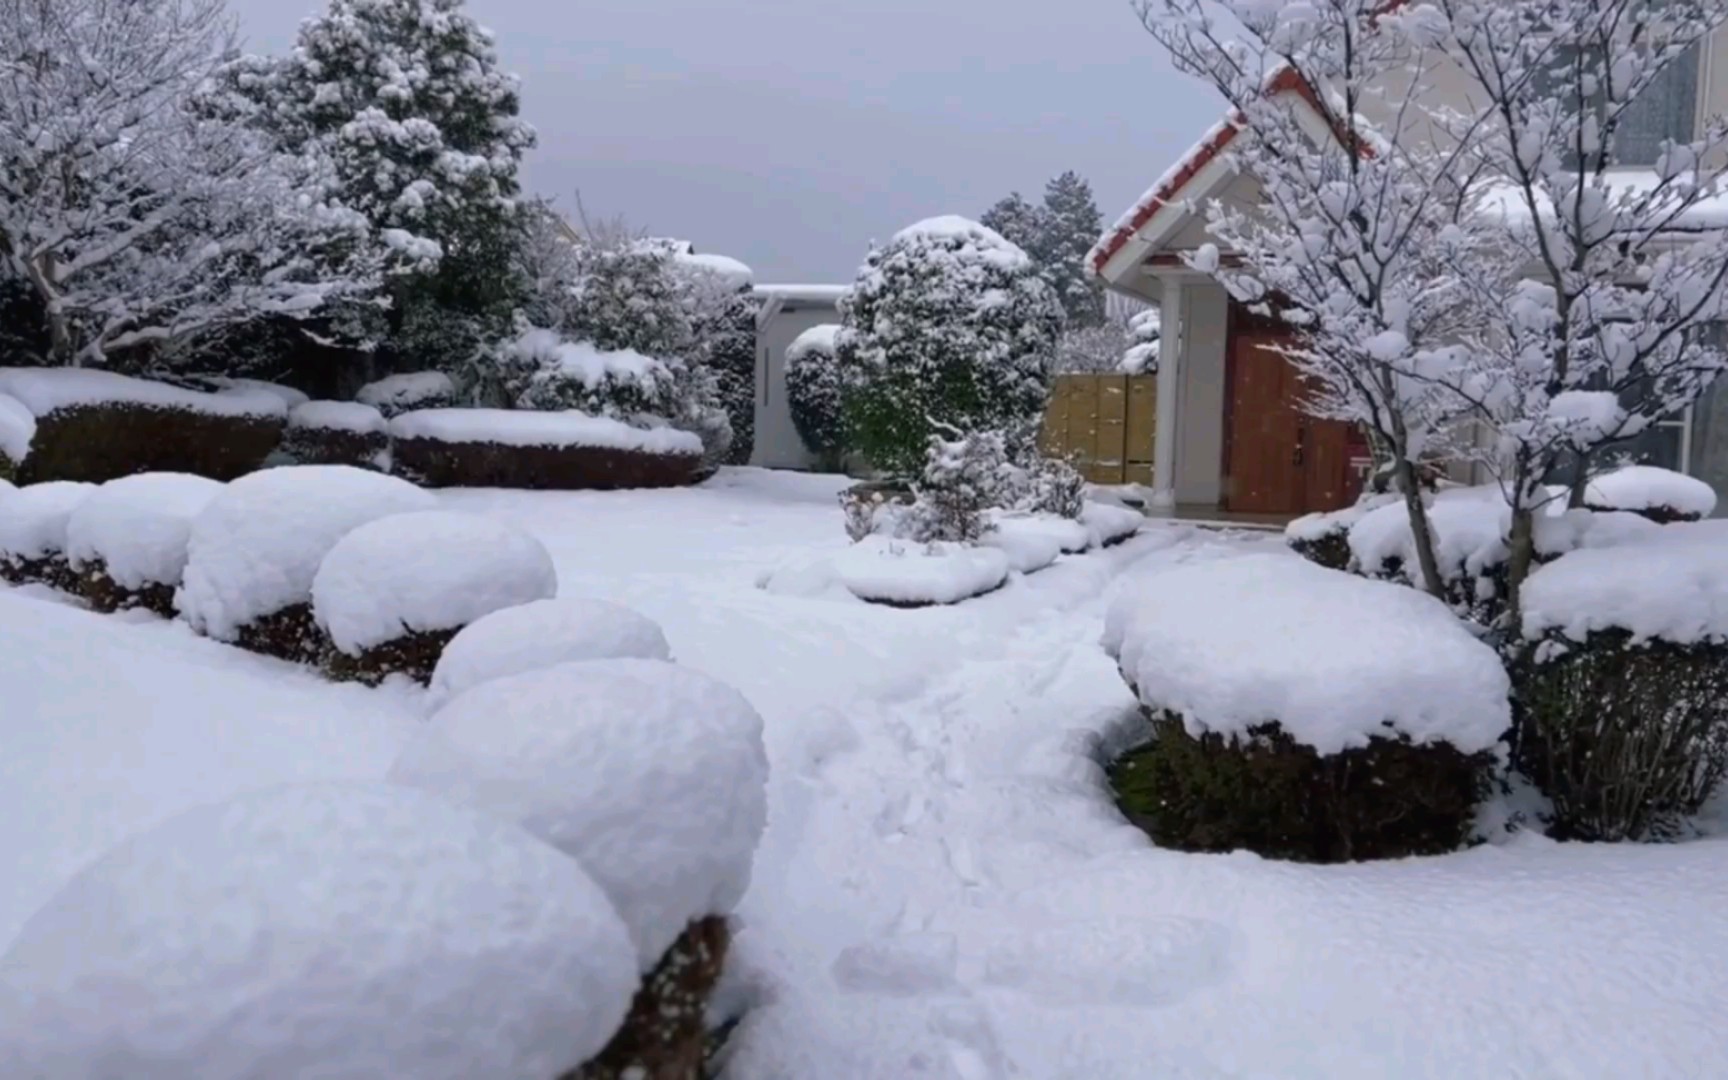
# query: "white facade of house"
[[786, 311]]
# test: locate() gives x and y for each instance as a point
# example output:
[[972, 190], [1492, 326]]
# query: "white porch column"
[[1169, 367]]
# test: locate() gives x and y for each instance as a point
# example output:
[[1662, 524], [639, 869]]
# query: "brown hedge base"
[[1627, 740], [665, 1037], [414, 655], [1331, 551], [288, 634], [1283, 800], [327, 446], [107, 596], [436, 464], [52, 571], [98, 443]]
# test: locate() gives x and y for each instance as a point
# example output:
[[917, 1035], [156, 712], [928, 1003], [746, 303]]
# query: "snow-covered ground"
[[944, 889]]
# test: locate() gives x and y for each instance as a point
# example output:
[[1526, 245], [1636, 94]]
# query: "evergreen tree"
[[1071, 225], [1020, 223]]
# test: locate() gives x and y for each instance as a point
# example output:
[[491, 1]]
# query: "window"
[[1667, 110]]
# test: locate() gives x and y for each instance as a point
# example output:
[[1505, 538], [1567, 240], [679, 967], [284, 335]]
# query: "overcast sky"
[[791, 133]]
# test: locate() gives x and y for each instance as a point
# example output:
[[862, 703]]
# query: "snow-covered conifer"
[[1021, 223], [814, 393], [1070, 225]]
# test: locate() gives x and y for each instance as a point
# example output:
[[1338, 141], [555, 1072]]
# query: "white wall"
[[777, 443], [1200, 411]]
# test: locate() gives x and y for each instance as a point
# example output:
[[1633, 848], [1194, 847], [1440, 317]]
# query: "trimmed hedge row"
[[437, 463], [98, 443], [665, 1034]]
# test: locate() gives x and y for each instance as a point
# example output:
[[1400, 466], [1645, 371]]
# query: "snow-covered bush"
[[962, 479], [1324, 538], [540, 371], [558, 450], [95, 425], [394, 395], [948, 327], [543, 634], [33, 533], [814, 394], [1661, 495], [872, 508], [1108, 524], [337, 433], [392, 593], [1624, 719], [126, 543], [351, 930], [919, 573], [650, 776], [1303, 713], [255, 550], [723, 319]]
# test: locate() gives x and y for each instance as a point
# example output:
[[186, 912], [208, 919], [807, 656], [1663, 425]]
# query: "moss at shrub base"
[[105, 595], [1274, 796], [1331, 551], [1626, 739], [98, 443], [414, 655], [326, 446], [665, 1036], [288, 634], [433, 463]]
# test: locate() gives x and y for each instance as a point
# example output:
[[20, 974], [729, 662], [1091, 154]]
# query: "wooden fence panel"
[[1104, 425]]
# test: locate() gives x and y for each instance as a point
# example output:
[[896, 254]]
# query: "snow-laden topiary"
[[33, 531], [813, 392], [538, 370], [127, 542], [948, 326], [723, 320], [543, 634]]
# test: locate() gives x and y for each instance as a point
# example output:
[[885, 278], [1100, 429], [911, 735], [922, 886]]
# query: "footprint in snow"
[[907, 965], [1146, 962]]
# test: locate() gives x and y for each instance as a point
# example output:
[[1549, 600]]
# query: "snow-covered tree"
[[136, 216], [723, 320], [1601, 289], [1348, 240], [1144, 330], [1019, 222], [1092, 349], [815, 393], [407, 97], [949, 327], [1071, 225]]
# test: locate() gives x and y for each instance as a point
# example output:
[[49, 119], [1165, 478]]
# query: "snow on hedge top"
[[818, 340], [43, 390], [290, 396], [348, 416], [585, 362], [17, 428], [1670, 583], [956, 232], [652, 776], [1470, 526], [1310, 528], [256, 548], [401, 393], [1646, 487], [138, 526], [558, 429], [424, 572], [330, 930], [33, 520], [543, 634], [1234, 643], [733, 273]]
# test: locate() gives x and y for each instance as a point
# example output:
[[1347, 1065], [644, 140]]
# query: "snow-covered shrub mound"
[[1324, 538], [949, 327], [540, 371], [651, 775], [392, 593], [911, 573], [814, 392], [17, 429], [337, 930], [127, 541], [255, 549], [33, 533], [337, 433], [1626, 690], [394, 395], [1659, 494], [1031, 542], [1071, 536], [1303, 713], [557, 450], [543, 634], [289, 396], [1108, 525], [94, 426]]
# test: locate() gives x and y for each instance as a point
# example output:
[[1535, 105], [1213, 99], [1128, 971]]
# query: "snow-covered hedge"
[[337, 433], [93, 426], [913, 574], [558, 450], [1659, 494], [814, 392], [1324, 538], [256, 548], [542, 634], [33, 523], [541, 371], [1303, 713], [351, 930], [394, 395], [1625, 724], [393, 592], [127, 541]]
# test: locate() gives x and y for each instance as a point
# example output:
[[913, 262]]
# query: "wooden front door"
[[1278, 460]]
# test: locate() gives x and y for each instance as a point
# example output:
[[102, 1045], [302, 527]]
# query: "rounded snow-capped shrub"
[[127, 542], [333, 930], [394, 395], [255, 549], [915, 573], [1662, 495], [337, 433], [1324, 538], [560, 451], [948, 326], [1624, 693], [543, 634], [17, 429], [653, 776], [813, 393], [1108, 524], [1302, 713], [392, 593], [33, 533]]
